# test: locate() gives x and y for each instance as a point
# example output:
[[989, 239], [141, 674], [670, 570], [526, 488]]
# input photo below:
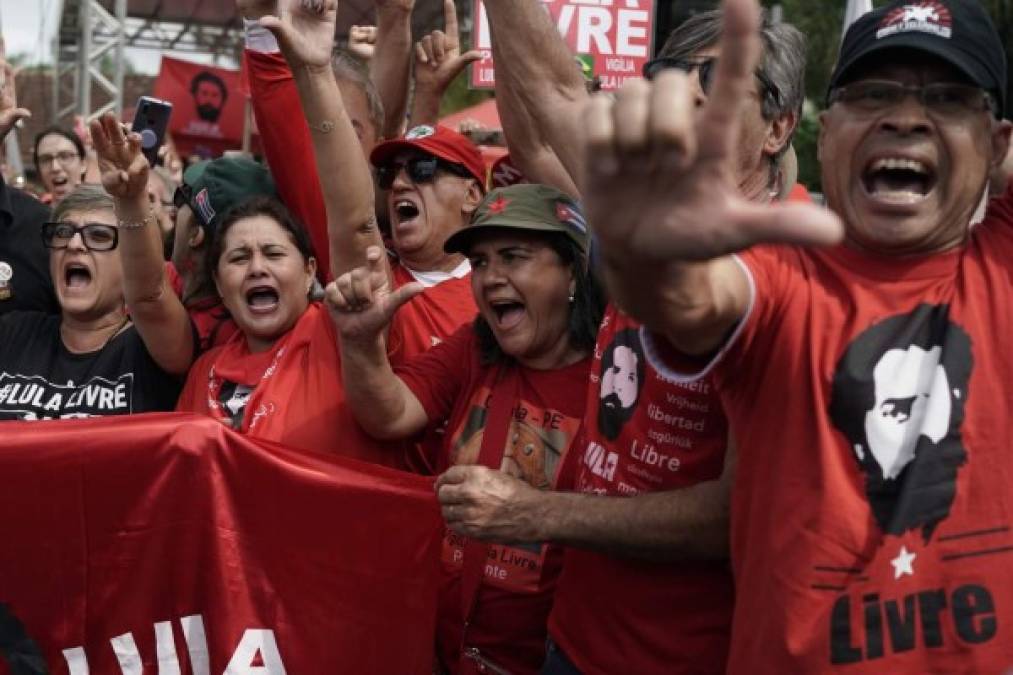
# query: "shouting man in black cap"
[[859, 352]]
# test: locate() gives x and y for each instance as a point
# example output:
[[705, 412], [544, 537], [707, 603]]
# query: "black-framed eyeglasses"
[[64, 157], [705, 69], [420, 170], [96, 236], [945, 99]]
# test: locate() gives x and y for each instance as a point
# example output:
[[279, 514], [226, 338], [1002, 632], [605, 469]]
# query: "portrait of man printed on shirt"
[[899, 394], [622, 377]]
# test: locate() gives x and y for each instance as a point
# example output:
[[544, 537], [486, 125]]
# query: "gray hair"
[[84, 198], [783, 63], [348, 68]]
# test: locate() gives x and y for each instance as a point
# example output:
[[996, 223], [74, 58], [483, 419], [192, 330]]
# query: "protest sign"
[[612, 39], [168, 544]]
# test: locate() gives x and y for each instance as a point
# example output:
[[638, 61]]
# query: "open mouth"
[[406, 210], [898, 180], [262, 299], [76, 275], [509, 313], [60, 182]]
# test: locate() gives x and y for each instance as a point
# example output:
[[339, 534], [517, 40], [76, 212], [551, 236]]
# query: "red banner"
[[166, 544], [611, 39], [208, 106]]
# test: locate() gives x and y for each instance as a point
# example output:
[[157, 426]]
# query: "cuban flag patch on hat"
[[571, 215], [203, 203]]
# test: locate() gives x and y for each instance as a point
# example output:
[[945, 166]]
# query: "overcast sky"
[[23, 25]]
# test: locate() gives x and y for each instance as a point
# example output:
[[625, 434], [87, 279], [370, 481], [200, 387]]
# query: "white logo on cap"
[[421, 131], [6, 272], [929, 16]]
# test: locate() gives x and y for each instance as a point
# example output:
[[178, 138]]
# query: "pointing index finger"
[[450, 18], [113, 129], [740, 50]]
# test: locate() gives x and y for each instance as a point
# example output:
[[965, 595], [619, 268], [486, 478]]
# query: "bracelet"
[[325, 127], [130, 224]]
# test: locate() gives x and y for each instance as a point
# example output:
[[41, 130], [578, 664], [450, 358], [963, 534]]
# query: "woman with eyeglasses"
[[91, 359], [60, 160], [513, 388]]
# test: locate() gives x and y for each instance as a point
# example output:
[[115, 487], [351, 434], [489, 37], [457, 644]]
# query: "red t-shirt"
[[437, 312], [432, 316], [872, 517], [211, 319], [508, 626], [291, 394], [643, 433]]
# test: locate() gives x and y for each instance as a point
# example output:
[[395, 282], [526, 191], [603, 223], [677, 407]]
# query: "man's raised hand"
[[660, 184], [438, 57], [362, 41], [305, 31], [123, 165], [361, 302]]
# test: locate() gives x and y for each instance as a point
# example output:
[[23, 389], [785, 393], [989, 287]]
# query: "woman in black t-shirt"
[[94, 359]]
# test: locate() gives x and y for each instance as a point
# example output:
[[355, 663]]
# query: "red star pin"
[[498, 205]]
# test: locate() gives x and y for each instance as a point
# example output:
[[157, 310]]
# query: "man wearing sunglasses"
[[860, 352], [434, 179], [439, 184]]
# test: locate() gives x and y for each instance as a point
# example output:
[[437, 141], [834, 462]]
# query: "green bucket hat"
[[213, 187], [535, 208]]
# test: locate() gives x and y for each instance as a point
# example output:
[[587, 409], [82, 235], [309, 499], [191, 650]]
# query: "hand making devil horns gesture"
[[660, 190], [660, 177]]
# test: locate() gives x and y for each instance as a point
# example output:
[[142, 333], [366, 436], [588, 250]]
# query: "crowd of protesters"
[[681, 418]]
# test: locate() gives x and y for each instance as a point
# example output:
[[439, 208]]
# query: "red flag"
[[207, 106], [168, 544]]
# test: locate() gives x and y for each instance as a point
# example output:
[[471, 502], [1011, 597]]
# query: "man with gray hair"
[[643, 587]]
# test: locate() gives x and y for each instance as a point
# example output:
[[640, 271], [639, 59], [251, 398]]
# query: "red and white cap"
[[438, 141]]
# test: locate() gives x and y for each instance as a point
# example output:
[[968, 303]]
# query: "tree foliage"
[[821, 21]]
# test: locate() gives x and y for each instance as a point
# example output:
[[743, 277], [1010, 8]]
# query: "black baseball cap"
[[959, 32]]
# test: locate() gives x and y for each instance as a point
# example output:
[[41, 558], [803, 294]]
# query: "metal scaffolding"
[[88, 38], [93, 34]]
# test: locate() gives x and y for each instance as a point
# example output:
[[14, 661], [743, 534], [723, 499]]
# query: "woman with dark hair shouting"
[[513, 387]]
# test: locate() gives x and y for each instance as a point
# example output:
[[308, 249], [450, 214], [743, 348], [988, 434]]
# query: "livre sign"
[[613, 37]]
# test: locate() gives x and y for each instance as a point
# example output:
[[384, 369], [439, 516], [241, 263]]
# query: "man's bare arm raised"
[[661, 196], [538, 79]]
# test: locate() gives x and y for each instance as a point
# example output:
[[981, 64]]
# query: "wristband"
[[259, 39]]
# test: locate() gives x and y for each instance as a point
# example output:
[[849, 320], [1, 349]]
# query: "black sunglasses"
[[96, 236], [705, 69], [420, 170]]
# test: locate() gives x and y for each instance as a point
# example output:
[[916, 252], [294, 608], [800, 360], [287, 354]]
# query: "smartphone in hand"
[[151, 119]]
